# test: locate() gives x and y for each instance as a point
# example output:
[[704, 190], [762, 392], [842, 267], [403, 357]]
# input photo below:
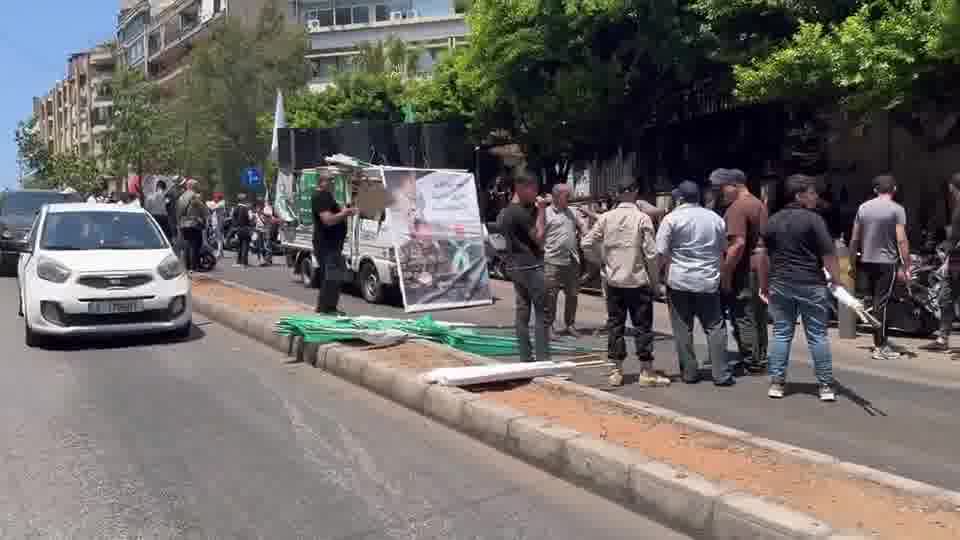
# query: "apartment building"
[[337, 27], [74, 116], [158, 35]]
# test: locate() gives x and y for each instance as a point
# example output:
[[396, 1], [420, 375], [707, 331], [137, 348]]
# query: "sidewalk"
[[896, 416]]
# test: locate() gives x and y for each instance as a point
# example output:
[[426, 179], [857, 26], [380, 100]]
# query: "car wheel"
[[183, 332], [207, 262], [31, 338], [306, 272], [370, 285]]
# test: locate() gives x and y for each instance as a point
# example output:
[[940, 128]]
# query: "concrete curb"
[[678, 498]]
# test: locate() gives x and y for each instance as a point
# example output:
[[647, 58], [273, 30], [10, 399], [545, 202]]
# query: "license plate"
[[114, 308]]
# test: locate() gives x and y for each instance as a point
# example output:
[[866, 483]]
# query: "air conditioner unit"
[[413, 13], [313, 26], [396, 15]]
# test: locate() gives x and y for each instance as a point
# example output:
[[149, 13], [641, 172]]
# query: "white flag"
[[279, 121]]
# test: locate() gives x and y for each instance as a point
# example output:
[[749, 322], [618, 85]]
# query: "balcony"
[[176, 30], [411, 30], [102, 58]]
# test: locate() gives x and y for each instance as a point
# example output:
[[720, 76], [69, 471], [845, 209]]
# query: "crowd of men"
[[193, 224], [744, 265]]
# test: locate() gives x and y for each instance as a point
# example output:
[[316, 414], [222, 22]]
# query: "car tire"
[[183, 333], [31, 338], [306, 272], [207, 262], [371, 288]]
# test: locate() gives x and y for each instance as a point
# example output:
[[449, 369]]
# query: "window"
[[325, 16], [81, 231], [135, 52], [382, 13], [344, 16], [361, 14]]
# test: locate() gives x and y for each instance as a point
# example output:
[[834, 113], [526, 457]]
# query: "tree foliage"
[[32, 153], [139, 138], [232, 83], [569, 79], [885, 55]]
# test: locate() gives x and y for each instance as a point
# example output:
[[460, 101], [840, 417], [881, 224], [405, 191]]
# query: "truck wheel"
[[370, 285], [306, 272], [291, 259]]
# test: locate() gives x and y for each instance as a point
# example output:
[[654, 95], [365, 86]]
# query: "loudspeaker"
[[445, 146], [367, 141], [311, 146], [407, 139]]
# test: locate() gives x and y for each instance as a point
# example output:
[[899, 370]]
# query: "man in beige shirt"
[[624, 242]]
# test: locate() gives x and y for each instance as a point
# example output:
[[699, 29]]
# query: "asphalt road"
[[219, 437], [883, 417]]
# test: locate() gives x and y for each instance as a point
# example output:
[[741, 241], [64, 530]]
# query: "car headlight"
[[51, 270], [171, 268], [6, 234]]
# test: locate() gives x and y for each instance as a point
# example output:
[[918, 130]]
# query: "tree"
[[444, 95], [391, 56], [570, 79], [80, 173], [139, 135], [885, 55], [32, 153], [233, 81]]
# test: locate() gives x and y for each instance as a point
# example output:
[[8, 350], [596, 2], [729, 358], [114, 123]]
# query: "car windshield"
[[28, 202], [80, 231]]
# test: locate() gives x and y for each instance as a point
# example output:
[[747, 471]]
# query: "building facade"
[[158, 35], [336, 28], [74, 117]]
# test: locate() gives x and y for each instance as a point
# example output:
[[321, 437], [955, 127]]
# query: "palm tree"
[[391, 56]]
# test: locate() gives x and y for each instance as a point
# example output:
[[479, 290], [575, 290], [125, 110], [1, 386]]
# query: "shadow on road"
[[811, 389]]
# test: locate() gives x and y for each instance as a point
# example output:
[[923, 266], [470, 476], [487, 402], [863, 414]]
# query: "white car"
[[100, 269]]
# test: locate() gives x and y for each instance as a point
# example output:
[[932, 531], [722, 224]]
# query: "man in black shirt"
[[329, 234], [792, 281], [522, 226]]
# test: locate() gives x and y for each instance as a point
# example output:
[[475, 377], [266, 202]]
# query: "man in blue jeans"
[[792, 281]]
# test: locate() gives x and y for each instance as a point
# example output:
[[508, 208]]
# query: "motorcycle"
[[914, 307]]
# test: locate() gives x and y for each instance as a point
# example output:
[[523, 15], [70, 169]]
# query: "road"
[[219, 437], [897, 416]]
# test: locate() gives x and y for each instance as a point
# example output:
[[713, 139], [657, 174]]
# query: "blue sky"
[[36, 37]]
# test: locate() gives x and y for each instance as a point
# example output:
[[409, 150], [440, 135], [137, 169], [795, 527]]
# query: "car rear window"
[[28, 202], [81, 231]]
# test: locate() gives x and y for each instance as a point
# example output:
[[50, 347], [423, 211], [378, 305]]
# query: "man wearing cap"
[[623, 241], [690, 245], [746, 219]]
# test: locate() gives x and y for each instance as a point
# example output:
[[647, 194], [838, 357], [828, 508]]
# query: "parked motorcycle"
[[914, 308]]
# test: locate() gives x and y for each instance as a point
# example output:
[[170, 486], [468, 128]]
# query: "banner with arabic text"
[[438, 238]]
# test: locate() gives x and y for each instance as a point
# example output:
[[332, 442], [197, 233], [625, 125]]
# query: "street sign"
[[251, 177]]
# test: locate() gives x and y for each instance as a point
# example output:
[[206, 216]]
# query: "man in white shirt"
[[156, 205], [690, 245]]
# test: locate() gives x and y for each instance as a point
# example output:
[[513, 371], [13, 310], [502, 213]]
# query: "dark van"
[[18, 209]]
